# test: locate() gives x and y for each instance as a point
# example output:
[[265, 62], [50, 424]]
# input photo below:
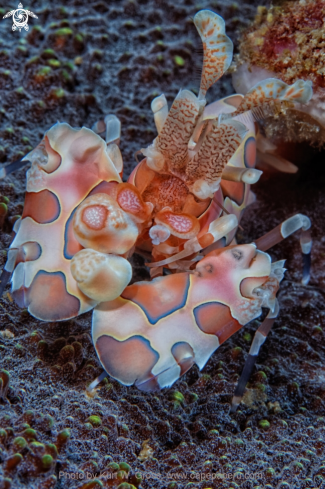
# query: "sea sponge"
[[287, 42]]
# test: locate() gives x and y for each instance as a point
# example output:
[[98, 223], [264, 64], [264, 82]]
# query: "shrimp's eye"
[[237, 254]]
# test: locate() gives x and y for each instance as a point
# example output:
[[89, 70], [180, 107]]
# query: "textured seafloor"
[[77, 63]]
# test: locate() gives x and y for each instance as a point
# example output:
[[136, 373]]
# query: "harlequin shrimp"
[[180, 208]]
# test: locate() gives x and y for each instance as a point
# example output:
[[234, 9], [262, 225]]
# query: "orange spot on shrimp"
[[108, 188], [158, 299], [298, 94], [206, 240], [205, 24], [215, 318], [130, 200], [43, 207], [290, 92], [94, 216], [179, 224]]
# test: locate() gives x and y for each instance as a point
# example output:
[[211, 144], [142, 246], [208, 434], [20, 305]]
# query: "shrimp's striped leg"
[[276, 161], [306, 244], [204, 170], [97, 381], [285, 229], [259, 339], [217, 48], [272, 90], [266, 153], [15, 165]]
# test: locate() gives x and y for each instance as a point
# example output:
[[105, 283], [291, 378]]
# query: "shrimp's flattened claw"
[[218, 48], [208, 163], [177, 130]]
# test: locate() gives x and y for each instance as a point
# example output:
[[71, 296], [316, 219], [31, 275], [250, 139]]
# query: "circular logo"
[[20, 18]]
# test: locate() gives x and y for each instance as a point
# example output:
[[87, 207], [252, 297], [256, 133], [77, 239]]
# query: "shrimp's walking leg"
[[97, 381], [259, 338], [245, 175], [285, 229], [11, 261], [4, 279], [15, 165]]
